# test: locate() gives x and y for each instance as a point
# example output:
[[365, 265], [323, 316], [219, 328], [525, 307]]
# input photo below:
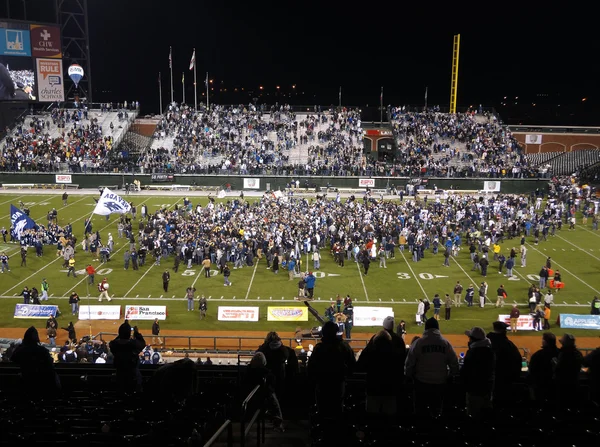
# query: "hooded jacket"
[[37, 366], [477, 373], [126, 351], [429, 358], [508, 359]]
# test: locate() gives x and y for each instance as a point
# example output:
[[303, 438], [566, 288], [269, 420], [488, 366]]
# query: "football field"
[[576, 253]]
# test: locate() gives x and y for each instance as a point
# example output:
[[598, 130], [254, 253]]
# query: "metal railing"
[[257, 416], [227, 343], [227, 427]]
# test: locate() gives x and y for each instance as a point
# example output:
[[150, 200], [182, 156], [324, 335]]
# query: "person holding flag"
[[110, 203], [20, 222]]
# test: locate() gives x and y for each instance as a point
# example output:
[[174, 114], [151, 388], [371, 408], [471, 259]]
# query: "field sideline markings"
[[11, 200], [195, 279], [141, 277], [112, 254], [413, 273], [595, 233], [582, 249], [252, 279], [564, 269], [253, 300], [472, 280], [362, 281]]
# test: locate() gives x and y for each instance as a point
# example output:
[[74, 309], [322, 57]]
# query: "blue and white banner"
[[20, 222], [35, 311], [111, 203], [573, 321]]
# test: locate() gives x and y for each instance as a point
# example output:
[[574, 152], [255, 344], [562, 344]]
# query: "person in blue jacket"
[[310, 284]]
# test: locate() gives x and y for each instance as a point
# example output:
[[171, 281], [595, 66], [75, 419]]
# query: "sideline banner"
[[251, 183], [99, 312], [491, 186], [574, 321], [524, 323], [366, 183], [371, 316], [281, 313], [35, 311], [145, 312], [227, 313]]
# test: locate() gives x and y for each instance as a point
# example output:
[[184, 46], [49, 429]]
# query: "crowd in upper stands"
[[275, 140], [81, 143]]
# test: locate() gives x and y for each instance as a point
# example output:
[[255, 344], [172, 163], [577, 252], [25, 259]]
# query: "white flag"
[[193, 61], [111, 203]]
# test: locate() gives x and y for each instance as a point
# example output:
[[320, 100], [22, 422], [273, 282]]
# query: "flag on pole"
[[183, 78], [110, 202], [425, 94], [381, 96], [193, 60], [20, 222], [206, 80], [170, 57], [159, 77]]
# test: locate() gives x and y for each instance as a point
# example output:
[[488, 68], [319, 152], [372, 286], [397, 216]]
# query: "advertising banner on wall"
[[533, 139], [15, 39], [145, 312], [63, 178], [491, 186], [280, 313], [251, 183], [371, 316], [366, 183], [99, 312], [50, 80], [228, 313]]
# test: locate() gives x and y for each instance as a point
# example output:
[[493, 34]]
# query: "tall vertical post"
[[171, 70], [454, 79], [425, 99], [160, 93], [195, 85], [340, 97], [183, 86], [381, 107], [206, 82]]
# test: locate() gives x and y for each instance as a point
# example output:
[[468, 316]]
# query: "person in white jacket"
[[430, 362], [420, 312]]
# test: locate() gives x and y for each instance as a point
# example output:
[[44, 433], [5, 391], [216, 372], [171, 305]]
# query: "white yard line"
[[142, 277], [472, 280], [251, 280], [197, 276], [11, 200], [413, 273], [582, 249], [565, 270], [595, 233], [256, 300], [33, 274], [362, 280]]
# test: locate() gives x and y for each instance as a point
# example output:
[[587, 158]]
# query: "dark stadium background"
[[529, 54]]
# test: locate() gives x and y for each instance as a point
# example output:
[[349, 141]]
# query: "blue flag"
[[20, 222]]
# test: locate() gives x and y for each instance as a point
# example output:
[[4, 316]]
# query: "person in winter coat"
[[567, 371], [71, 332], [37, 367], [592, 362], [429, 360], [281, 361], [310, 284], [382, 363], [332, 360], [126, 348], [541, 369], [420, 312], [257, 373], [477, 372], [508, 361]]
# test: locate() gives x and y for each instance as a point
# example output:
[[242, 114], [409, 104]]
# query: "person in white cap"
[[477, 372]]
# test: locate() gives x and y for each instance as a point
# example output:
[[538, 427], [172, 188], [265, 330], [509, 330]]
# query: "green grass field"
[[576, 253]]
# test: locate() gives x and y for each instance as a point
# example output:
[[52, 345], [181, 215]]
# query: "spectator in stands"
[[429, 362], [37, 366], [508, 361], [541, 369], [257, 373], [592, 362], [126, 348], [384, 365], [281, 361], [477, 372], [567, 371], [331, 361]]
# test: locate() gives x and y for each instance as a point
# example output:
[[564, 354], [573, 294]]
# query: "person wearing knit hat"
[[477, 372], [429, 359]]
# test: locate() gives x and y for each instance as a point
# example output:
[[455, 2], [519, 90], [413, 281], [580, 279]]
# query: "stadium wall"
[[556, 142], [511, 186]]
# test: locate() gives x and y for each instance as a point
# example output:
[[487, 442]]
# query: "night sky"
[[513, 50]]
